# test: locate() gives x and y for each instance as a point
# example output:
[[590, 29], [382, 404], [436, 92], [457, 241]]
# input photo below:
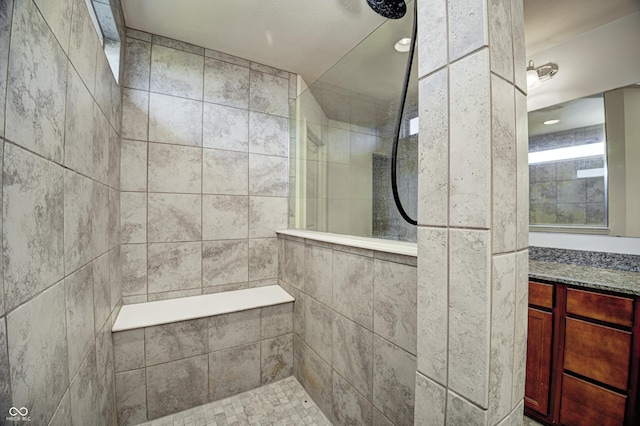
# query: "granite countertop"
[[586, 276]]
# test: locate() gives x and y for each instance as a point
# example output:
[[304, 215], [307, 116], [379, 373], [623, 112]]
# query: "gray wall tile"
[[6, 13], [135, 114], [268, 94], [79, 311], [226, 84], [500, 38], [268, 134], [318, 282], [314, 375], [137, 64], [37, 81], [58, 17], [175, 72], [292, 264], [235, 329], [318, 323], [225, 172], [432, 33], [171, 342], [174, 266], [431, 402], [266, 215], [174, 217], [38, 353], [503, 292], [276, 358], [394, 381], [462, 412], [394, 311], [175, 44], [349, 407], [85, 400], [176, 386], [79, 126], [469, 307], [234, 370], [276, 320], [470, 137], [263, 258], [133, 171], [268, 175], [63, 412], [504, 160], [101, 292], [83, 46], [468, 29], [433, 161], [185, 164], [353, 354], [32, 245], [225, 217], [5, 388], [433, 303], [131, 397], [174, 120], [225, 127], [225, 262], [133, 217], [134, 269], [353, 287], [128, 350]]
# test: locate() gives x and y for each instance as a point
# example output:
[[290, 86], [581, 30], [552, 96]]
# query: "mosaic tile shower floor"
[[281, 403]]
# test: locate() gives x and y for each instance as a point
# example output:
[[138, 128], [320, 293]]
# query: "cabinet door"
[[586, 404], [539, 338]]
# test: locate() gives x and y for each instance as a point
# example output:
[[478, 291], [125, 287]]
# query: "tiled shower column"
[[472, 214]]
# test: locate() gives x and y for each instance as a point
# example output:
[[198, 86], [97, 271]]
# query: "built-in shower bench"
[[148, 314], [171, 355]]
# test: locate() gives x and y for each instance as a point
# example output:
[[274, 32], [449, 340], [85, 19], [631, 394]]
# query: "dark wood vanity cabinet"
[[582, 357]]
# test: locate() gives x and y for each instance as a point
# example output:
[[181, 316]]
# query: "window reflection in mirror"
[[567, 164]]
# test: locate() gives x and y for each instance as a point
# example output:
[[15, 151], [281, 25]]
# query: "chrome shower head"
[[392, 9]]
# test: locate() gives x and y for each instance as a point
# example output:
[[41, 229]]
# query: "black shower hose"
[[396, 136]]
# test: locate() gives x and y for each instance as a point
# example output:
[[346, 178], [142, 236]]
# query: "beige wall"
[[623, 150]]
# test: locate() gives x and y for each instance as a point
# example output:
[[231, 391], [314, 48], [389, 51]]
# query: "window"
[[107, 29]]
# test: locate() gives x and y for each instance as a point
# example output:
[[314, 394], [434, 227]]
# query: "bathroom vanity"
[[583, 345]]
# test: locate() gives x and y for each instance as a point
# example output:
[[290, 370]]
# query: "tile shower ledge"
[[148, 314], [586, 276], [377, 244]]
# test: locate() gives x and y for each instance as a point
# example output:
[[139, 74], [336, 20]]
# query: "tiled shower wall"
[[354, 329], [168, 368], [472, 213], [60, 218], [204, 169]]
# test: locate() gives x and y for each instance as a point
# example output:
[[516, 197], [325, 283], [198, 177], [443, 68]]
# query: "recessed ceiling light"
[[403, 45], [551, 122]]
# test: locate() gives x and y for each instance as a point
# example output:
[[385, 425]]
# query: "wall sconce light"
[[535, 76]]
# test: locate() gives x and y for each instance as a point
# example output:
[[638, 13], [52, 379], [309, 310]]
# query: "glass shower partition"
[[341, 135]]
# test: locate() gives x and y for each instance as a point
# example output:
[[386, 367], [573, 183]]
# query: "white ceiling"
[[551, 22], [572, 114], [309, 36]]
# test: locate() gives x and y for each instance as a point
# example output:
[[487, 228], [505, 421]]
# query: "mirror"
[[581, 164]]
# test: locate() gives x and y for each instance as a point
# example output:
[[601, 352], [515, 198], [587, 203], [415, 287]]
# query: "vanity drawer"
[[586, 404], [602, 307], [597, 352], [541, 294]]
